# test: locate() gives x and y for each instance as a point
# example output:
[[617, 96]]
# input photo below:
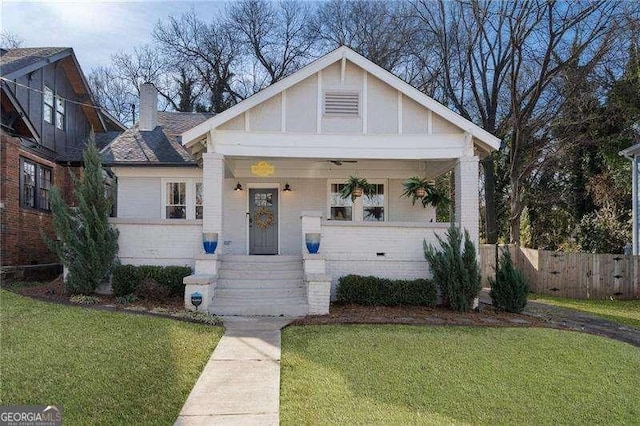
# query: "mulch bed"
[[53, 292], [356, 314], [486, 316]]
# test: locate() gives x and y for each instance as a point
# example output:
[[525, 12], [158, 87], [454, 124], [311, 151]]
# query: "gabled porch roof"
[[481, 137]]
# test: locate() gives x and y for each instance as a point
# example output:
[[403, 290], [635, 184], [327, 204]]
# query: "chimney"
[[148, 107]]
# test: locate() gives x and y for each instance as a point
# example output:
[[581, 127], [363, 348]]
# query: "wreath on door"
[[264, 218]]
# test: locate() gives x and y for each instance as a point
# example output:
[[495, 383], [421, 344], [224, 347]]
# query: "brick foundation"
[[20, 239]]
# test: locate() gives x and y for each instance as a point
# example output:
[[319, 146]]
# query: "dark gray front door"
[[263, 221]]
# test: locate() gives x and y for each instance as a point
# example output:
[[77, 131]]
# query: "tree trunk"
[[490, 222], [516, 211]]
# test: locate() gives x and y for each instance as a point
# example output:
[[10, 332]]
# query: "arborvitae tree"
[[455, 269], [86, 244], [509, 289]]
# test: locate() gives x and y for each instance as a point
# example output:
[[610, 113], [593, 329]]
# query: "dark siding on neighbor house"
[[77, 127]]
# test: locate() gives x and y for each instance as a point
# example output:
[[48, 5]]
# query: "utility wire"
[[42, 92]]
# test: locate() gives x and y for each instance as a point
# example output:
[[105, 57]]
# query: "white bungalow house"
[[268, 170]]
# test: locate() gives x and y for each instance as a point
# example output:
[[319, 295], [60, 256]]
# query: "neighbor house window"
[[198, 200], [48, 105], [35, 185], [60, 114], [176, 201], [373, 206], [341, 208]]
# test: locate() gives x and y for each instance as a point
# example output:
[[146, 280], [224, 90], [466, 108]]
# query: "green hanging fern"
[[354, 183], [433, 196]]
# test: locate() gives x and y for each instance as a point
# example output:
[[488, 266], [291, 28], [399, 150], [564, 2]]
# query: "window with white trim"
[[339, 208], [48, 101], [198, 200], [373, 205], [182, 198], [365, 208], [176, 201]]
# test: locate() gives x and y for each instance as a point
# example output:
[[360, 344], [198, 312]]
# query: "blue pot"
[[210, 242], [312, 240]]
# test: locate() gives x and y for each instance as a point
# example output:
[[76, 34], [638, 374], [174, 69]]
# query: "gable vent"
[[342, 104]]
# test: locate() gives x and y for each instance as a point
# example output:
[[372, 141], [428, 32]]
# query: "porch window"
[[198, 200], [176, 203], [341, 208], [373, 206]]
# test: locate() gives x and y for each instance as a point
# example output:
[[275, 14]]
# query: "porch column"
[[213, 190], [466, 190]]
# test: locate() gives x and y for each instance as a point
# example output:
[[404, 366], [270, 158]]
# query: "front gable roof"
[[196, 134]]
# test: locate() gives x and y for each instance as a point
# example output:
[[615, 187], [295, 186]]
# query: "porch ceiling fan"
[[339, 162]]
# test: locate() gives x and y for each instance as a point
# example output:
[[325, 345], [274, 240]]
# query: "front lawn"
[[389, 374], [626, 312], [101, 367]]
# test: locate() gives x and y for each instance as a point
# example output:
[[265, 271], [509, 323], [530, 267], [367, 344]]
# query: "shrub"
[[374, 291], [509, 289], [455, 269], [150, 289], [125, 300], [86, 244], [127, 278]]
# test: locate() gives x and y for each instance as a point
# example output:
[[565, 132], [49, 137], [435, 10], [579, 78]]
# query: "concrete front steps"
[[261, 286]]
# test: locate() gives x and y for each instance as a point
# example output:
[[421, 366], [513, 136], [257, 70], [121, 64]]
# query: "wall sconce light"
[[287, 188], [238, 187]]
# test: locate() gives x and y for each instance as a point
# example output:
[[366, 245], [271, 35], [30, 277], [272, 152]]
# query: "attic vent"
[[341, 104]]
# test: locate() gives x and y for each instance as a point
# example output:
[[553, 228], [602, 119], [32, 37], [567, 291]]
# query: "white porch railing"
[[152, 242]]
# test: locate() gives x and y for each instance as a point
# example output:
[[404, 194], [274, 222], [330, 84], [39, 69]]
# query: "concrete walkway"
[[240, 385]]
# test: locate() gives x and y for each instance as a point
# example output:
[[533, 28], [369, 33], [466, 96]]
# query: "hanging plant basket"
[[356, 187], [420, 192]]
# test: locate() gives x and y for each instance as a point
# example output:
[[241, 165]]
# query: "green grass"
[[372, 374], [626, 312], [102, 367]]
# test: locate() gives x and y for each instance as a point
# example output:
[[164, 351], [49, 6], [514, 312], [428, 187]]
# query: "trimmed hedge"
[[374, 291], [126, 279]]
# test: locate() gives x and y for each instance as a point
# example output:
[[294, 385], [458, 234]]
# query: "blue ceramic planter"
[[312, 240], [210, 242]]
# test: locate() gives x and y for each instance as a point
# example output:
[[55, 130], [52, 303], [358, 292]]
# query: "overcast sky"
[[94, 29]]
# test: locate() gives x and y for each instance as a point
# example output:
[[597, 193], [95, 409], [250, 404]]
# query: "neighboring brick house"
[[268, 171], [48, 115]]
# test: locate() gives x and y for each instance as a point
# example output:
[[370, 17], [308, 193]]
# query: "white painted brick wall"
[[467, 203], [318, 297], [213, 189], [158, 242]]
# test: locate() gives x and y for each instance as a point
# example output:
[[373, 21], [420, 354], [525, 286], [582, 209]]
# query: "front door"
[[263, 221]]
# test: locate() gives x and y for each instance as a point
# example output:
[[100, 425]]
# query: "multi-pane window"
[[35, 185], [373, 205], [48, 99], [341, 208], [60, 114], [198, 200], [176, 203]]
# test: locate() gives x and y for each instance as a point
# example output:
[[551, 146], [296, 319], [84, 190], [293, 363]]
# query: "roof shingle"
[[15, 59], [159, 146]]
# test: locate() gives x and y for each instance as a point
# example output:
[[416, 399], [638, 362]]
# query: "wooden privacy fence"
[[572, 275]]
